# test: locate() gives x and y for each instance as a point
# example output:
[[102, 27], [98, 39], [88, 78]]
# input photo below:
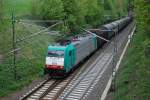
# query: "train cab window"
[[55, 53]]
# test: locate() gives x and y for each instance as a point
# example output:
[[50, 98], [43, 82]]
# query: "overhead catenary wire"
[[25, 24], [39, 21], [40, 28], [95, 34], [35, 34]]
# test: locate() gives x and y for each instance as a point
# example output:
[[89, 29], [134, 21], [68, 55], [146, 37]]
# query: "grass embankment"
[[31, 57], [19, 7], [133, 79]]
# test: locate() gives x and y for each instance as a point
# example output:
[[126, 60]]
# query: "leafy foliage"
[[1, 9], [142, 14], [135, 71], [143, 20], [135, 68], [52, 9], [81, 13]]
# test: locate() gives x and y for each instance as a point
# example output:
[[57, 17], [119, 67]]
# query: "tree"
[[35, 8], [71, 9], [94, 12], [1, 10], [52, 9], [142, 8], [80, 13]]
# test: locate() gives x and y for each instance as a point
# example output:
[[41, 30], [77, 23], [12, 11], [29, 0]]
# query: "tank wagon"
[[64, 56], [115, 27], [107, 31]]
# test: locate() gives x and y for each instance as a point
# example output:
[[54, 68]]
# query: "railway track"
[[82, 85], [49, 89], [39, 91]]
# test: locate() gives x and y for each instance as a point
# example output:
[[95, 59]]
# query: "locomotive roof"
[[75, 40], [81, 38]]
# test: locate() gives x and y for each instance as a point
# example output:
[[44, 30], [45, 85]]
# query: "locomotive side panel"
[[84, 49]]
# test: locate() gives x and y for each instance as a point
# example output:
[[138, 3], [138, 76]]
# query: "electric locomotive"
[[64, 56]]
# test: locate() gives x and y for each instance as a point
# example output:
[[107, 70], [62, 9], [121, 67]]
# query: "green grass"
[[31, 58], [133, 79], [19, 7], [29, 62]]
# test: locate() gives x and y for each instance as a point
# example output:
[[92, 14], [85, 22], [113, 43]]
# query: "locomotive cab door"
[[70, 58]]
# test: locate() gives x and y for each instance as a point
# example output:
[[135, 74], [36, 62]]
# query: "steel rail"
[[34, 90]]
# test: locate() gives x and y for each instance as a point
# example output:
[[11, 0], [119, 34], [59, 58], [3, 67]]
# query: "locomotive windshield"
[[55, 53]]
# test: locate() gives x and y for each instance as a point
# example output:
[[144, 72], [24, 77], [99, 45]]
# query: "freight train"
[[64, 56]]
